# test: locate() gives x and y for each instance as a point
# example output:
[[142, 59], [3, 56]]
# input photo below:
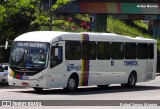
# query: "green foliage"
[[64, 25], [2, 12], [141, 24], [120, 27], [40, 21], [18, 15], [59, 4]]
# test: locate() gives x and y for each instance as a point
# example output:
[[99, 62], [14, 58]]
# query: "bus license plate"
[[24, 77]]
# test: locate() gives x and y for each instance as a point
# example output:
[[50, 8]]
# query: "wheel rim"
[[132, 80], [71, 83]]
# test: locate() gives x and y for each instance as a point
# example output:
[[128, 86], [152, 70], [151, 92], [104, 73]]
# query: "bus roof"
[[39, 36], [50, 36]]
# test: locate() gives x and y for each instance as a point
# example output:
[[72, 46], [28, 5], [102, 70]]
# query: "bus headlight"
[[40, 78], [10, 76]]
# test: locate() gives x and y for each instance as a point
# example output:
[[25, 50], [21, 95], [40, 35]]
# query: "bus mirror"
[[56, 52], [6, 45]]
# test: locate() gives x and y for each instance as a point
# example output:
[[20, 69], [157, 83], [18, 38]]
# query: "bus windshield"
[[29, 54]]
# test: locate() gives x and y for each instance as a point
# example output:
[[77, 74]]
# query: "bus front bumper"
[[41, 83]]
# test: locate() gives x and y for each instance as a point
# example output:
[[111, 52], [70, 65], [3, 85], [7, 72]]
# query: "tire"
[[72, 84], [131, 81], [103, 86], [38, 89]]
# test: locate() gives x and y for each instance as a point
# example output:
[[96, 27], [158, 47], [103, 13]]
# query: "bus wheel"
[[103, 86], [72, 84], [38, 89], [131, 81]]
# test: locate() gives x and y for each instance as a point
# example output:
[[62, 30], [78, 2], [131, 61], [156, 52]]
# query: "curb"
[[157, 74]]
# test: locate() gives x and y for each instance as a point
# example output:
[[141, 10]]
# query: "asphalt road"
[[82, 98]]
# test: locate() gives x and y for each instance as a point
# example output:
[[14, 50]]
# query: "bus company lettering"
[[73, 67], [130, 63]]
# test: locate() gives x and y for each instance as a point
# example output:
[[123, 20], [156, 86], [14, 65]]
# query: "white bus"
[[52, 59]]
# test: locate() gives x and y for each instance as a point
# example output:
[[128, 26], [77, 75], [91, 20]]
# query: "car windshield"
[[29, 54], [1, 69]]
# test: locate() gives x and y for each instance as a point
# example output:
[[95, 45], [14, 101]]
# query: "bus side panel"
[[105, 72], [117, 72], [58, 76], [97, 72]]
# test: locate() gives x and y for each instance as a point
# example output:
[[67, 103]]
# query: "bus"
[[55, 59]]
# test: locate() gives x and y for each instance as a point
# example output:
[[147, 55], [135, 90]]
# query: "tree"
[[16, 17]]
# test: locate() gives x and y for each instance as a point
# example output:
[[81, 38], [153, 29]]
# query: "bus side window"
[[103, 50], [56, 56], [73, 50], [151, 51], [117, 50], [142, 50], [130, 50]]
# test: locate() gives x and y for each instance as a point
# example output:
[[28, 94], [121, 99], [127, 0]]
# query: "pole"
[[50, 15]]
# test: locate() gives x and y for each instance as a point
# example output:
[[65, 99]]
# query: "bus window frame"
[[59, 62]]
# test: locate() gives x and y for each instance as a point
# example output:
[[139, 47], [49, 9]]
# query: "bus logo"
[[130, 63], [73, 67]]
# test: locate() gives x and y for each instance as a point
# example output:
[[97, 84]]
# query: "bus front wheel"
[[72, 84]]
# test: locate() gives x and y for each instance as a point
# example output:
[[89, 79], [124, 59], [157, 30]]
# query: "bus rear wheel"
[[72, 84], [131, 81]]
